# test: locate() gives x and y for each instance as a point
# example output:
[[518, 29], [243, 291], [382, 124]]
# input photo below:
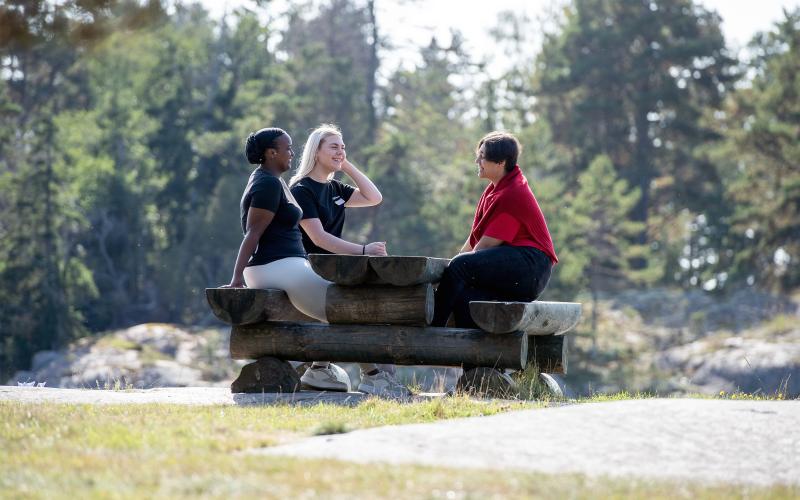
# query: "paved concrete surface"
[[172, 395], [714, 441]]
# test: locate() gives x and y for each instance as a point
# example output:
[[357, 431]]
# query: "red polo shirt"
[[510, 212]]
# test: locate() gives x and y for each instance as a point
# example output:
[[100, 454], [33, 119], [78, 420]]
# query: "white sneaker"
[[329, 378], [383, 384]]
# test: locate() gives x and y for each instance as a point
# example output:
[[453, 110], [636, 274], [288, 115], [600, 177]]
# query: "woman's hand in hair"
[[366, 193], [377, 248]]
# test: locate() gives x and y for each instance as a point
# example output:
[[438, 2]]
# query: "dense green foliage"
[[656, 155]]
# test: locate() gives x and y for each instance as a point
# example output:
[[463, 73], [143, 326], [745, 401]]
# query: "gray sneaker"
[[330, 378], [383, 384]]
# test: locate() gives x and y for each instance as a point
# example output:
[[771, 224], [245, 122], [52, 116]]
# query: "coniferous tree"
[[41, 277], [762, 160], [632, 79], [597, 250]]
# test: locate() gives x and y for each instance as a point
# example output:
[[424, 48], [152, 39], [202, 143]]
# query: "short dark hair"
[[260, 141], [499, 146]]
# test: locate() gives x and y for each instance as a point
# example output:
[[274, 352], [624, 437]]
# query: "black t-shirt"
[[282, 236], [324, 201]]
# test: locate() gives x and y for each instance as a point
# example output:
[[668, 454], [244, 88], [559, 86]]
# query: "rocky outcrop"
[[671, 342], [143, 356], [736, 364], [703, 312]]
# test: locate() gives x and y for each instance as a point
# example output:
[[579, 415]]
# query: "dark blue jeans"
[[505, 273]]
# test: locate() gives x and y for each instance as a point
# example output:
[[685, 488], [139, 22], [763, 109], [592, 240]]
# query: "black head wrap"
[[260, 141]]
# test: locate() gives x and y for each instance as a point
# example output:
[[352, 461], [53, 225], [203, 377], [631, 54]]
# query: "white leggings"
[[305, 288]]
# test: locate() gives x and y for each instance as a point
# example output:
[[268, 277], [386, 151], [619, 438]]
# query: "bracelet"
[[363, 249]]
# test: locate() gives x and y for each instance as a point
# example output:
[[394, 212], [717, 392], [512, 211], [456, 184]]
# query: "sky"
[[409, 24]]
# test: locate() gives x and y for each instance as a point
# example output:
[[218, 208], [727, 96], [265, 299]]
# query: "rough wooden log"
[[267, 375], [343, 269], [244, 306], [406, 271], [534, 318], [548, 353], [400, 345], [380, 304], [397, 270], [487, 382]]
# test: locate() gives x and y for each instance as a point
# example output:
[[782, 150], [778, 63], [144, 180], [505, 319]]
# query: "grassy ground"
[[145, 451]]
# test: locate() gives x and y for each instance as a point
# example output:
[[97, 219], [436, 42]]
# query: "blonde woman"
[[324, 201]]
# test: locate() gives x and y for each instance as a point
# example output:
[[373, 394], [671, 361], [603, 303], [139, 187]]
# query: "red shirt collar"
[[507, 180]]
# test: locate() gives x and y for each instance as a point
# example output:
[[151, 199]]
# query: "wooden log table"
[[379, 309], [352, 270]]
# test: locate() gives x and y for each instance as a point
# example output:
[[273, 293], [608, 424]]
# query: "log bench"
[[379, 311]]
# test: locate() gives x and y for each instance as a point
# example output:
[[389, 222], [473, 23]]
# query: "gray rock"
[[267, 375], [143, 356], [754, 366], [704, 312], [42, 359]]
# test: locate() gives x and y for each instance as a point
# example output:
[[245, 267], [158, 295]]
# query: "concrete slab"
[[179, 395], [716, 441]]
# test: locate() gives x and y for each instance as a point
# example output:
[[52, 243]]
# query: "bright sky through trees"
[[410, 24]]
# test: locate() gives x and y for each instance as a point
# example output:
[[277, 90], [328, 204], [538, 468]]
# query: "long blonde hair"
[[313, 143]]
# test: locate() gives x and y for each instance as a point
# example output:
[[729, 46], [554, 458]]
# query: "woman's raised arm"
[[366, 194]]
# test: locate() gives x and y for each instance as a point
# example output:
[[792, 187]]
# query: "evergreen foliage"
[[631, 79], [121, 131], [762, 160]]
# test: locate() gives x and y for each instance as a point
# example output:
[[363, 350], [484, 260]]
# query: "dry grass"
[[170, 451]]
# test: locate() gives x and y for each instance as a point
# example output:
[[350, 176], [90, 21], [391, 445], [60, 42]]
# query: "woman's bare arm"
[[257, 221], [321, 238], [487, 242]]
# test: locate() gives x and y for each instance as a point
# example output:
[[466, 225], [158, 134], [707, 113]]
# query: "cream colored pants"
[[305, 288]]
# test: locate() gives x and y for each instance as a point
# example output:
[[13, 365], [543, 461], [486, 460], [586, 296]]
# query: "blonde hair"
[[313, 143]]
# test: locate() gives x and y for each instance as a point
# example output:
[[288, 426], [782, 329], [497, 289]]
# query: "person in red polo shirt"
[[509, 254]]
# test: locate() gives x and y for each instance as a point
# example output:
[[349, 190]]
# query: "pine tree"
[[632, 79], [762, 155], [597, 252]]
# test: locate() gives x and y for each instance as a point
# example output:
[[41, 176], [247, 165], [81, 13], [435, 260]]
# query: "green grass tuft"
[[332, 427]]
